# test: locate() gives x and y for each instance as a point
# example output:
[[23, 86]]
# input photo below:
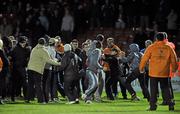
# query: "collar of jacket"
[[40, 46], [160, 42]]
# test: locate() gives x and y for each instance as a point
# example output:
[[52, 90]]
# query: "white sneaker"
[[88, 102], [56, 100], [83, 96], [71, 102], [77, 101]]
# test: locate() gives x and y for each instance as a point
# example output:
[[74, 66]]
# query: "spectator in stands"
[[95, 14], [5, 28], [172, 22], [44, 20], [107, 14], [67, 26]]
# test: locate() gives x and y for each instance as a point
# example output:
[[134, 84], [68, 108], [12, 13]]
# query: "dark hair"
[[160, 36], [83, 44], [75, 40], [100, 37], [98, 44], [42, 41], [22, 39]]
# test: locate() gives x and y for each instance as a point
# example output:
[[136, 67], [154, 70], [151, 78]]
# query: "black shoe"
[[152, 109], [171, 108], [111, 98], [125, 98], [164, 103], [135, 98], [27, 101]]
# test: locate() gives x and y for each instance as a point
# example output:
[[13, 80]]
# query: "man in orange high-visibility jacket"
[[160, 56]]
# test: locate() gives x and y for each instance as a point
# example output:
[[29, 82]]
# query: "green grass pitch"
[[118, 106]]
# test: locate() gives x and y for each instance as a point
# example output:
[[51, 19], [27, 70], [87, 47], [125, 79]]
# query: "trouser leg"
[[93, 84], [70, 90], [60, 86], [153, 92], [108, 86], [38, 87]]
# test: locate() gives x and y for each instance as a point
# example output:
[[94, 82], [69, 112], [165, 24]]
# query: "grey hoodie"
[[94, 55], [134, 57]]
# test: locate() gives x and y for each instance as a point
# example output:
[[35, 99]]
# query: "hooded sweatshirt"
[[93, 58], [134, 57]]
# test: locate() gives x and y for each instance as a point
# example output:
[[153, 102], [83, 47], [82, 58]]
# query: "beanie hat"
[[67, 47]]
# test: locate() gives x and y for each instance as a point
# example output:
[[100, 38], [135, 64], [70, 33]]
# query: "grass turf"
[[106, 107]]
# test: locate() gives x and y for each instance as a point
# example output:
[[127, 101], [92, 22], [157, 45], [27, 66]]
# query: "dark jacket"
[[115, 69], [20, 56], [69, 65], [5, 68]]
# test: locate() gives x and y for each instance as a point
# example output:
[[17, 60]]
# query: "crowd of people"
[[77, 73], [68, 18], [40, 56]]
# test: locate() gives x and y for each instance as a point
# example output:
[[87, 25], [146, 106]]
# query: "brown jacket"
[[160, 56]]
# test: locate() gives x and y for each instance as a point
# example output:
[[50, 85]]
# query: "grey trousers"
[[99, 90], [93, 84]]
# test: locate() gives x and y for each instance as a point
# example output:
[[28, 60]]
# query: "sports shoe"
[[164, 103], [151, 109], [88, 102], [83, 96], [135, 98], [1, 102], [71, 102], [77, 101], [171, 108]]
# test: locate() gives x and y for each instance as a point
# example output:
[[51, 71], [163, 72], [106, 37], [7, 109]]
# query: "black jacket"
[[69, 64], [115, 70], [4, 59], [20, 56]]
